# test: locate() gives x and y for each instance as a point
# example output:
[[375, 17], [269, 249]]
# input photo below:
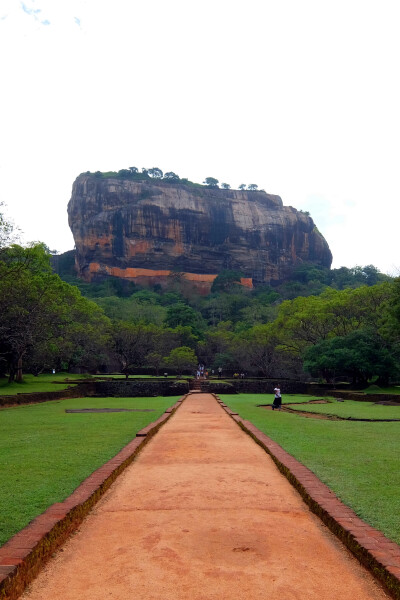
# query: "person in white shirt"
[[277, 403]]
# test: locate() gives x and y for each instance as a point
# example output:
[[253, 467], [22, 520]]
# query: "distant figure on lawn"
[[278, 398]]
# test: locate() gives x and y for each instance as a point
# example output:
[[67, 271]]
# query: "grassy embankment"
[[46, 382], [46, 453], [357, 460]]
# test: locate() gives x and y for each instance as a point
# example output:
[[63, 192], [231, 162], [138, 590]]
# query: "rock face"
[[150, 231]]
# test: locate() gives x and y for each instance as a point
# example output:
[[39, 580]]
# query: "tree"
[[260, 349], [256, 314], [26, 295], [211, 182], [171, 176], [218, 341], [307, 272], [139, 307], [252, 187], [356, 277], [391, 320], [132, 343], [7, 231], [39, 312], [182, 314], [133, 170], [226, 280], [155, 360], [85, 341], [242, 187], [15, 260], [305, 321], [155, 173], [124, 173], [225, 186], [395, 300], [361, 355], [181, 359]]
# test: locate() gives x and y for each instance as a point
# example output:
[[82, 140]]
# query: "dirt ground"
[[203, 513]]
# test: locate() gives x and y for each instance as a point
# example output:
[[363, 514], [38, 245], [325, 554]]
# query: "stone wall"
[[351, 395], [79, 391], [258, 386], [138, 388]]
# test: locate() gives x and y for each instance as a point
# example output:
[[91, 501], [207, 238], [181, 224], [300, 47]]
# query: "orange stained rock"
[[134, 273], [207, 277], [203, 513], [247, 282]]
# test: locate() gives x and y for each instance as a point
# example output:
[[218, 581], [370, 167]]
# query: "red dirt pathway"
[[203, 513]]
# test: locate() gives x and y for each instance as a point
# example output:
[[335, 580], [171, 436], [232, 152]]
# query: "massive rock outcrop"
[[151, 230]]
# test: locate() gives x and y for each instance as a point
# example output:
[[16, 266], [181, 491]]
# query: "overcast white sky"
[[301, 97]]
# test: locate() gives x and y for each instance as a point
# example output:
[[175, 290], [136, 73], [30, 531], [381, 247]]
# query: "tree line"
[[169, 177], [325, 324]]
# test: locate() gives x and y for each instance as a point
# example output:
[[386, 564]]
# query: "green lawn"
[[374, 389], [46, 382], [347, 409], [46, 453], [359, 461]]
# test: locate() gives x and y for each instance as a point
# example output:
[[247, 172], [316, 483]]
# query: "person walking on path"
[[277, 403]]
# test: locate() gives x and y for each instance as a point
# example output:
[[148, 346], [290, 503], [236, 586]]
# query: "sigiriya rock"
[[148, 231]]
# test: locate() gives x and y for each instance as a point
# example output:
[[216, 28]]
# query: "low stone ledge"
[[359, 396], [138, 388], [151, 429], [25, 554], [77, 391], [371, 547]]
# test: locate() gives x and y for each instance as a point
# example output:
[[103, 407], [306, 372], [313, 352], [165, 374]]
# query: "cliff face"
[[150, 230]]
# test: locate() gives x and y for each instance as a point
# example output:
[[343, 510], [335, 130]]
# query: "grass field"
[[345, 410], [46, 453], [46, 382], [359, 461], [374, 389]]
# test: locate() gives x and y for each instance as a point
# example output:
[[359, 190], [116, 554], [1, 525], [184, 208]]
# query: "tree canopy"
[[42, 318], [211, 182]]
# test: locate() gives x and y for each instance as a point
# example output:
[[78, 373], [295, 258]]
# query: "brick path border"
[[25, 554], [380, 555]]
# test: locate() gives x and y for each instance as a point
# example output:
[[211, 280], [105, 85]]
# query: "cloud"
[[34, 12], [30, 11]]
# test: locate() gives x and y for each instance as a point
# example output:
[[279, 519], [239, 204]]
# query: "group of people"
[[203, 373]]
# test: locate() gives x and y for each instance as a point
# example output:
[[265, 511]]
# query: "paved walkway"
[[201, 514]]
